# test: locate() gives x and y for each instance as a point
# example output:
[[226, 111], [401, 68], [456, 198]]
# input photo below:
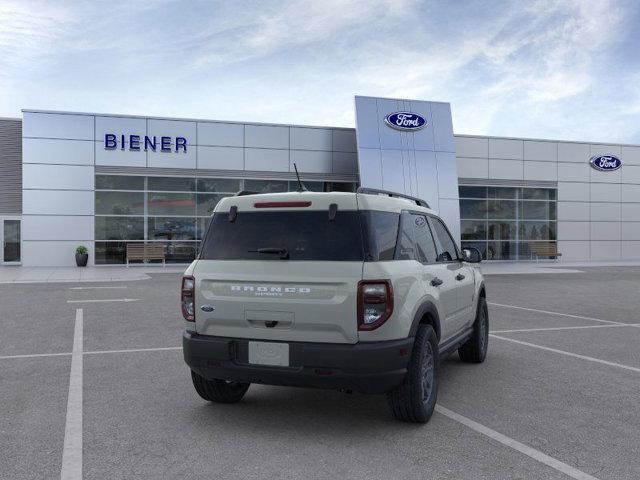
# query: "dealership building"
[[105, 181]]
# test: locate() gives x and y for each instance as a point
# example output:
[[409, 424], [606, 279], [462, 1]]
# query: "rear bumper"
[[372, 367]]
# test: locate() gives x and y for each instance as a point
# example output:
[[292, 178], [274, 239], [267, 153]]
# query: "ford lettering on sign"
[[605, 163], [405, 121]]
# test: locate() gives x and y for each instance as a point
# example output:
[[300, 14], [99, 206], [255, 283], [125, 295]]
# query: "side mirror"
[[471, 255]]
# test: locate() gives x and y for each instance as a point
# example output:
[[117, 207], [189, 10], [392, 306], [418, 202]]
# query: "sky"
[[565, 69]]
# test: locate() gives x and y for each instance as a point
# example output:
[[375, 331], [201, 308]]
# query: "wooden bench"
[[145, 252], [544, 249]]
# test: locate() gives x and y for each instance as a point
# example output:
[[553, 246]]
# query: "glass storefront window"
[[171, 184], [171, 204], [339, 187], [168, 228], [207, 202], [473, 230], [504, 222], [108, 253], [502, 251], [174, 211], [472, 192], [502, 192], [10, 233], [473, 209], [119, 203], [226, 185], [502, 209], [502, 230], [266, 186], [538, 210], [537, 231], [538, 194], [119, 182], [311, 186], [119, 228]]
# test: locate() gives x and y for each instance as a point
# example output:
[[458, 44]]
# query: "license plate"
[[269, 353]]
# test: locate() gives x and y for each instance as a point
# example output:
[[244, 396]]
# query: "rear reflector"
[[281, 204]]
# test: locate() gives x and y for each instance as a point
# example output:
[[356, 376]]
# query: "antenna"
[[301, 187]]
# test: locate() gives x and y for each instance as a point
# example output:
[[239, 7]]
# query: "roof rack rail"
[[242, 193], [376, 191]]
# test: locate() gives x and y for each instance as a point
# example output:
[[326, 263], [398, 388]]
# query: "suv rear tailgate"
[[278, 300]]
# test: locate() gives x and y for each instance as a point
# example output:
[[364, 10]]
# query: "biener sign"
[[139, 142]]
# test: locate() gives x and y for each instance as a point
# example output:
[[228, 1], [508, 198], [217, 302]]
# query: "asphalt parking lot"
[[105, 382]]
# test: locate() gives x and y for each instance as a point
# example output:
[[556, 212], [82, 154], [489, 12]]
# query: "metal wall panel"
[[57, 177], [221, 134], [311, 139], [418, 162], [58, 125], [573, 152], [55, 151], [10, 167]]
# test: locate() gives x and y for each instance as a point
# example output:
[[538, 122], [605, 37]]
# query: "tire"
[[475, 349], [414, 400], [219, 391]]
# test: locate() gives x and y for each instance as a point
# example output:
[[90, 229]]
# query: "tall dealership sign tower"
[[407, 146]]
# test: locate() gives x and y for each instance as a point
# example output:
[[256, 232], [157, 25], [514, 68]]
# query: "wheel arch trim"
[[426, 308]]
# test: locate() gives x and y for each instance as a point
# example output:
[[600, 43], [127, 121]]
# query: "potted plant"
[[82, 256]]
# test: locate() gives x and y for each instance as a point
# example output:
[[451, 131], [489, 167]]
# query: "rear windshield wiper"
[[283, 252]]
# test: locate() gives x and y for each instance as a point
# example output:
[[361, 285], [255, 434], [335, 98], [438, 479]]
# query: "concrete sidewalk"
[[19, 274], [527, 268], [107, 273]]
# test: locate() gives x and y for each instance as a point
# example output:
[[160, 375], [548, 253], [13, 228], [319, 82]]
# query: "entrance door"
[[10, 240]]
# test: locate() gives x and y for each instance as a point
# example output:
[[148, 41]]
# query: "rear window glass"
[[380, 234], [304, 235]]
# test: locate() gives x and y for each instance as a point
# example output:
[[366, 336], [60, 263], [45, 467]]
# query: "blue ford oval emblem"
[[605, 163], [207, 308], [405, 121]]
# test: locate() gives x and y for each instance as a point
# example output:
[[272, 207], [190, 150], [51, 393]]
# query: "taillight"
[[375, 303], [187, 298]]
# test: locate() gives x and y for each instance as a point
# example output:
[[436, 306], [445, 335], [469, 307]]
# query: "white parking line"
[[72, 450], [107, 300], [581, 327], [92, 352], [555, 313], [159, 349], [96, 288], [562, 352], [35, 355], [514, 444]]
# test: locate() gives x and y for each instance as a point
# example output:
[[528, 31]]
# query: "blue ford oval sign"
[[605, 163], [405, 121]]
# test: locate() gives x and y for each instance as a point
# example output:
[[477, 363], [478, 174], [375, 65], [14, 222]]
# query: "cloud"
[[28, 29], [527, 68]]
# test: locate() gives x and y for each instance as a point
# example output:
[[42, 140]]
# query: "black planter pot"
[[81, 259]]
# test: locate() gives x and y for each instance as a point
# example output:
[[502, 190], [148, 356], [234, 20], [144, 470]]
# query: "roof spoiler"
[[375, 191]]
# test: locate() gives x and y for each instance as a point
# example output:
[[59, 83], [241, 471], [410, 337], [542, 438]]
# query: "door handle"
[[460, 277], [436, 282]]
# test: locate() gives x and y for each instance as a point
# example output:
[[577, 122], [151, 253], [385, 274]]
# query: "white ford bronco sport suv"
[[352, 291]]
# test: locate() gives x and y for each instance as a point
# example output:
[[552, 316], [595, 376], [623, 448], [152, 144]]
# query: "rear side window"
[[380, 231], [426, 248], [447, 251], [406, 239], [305, 235]]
